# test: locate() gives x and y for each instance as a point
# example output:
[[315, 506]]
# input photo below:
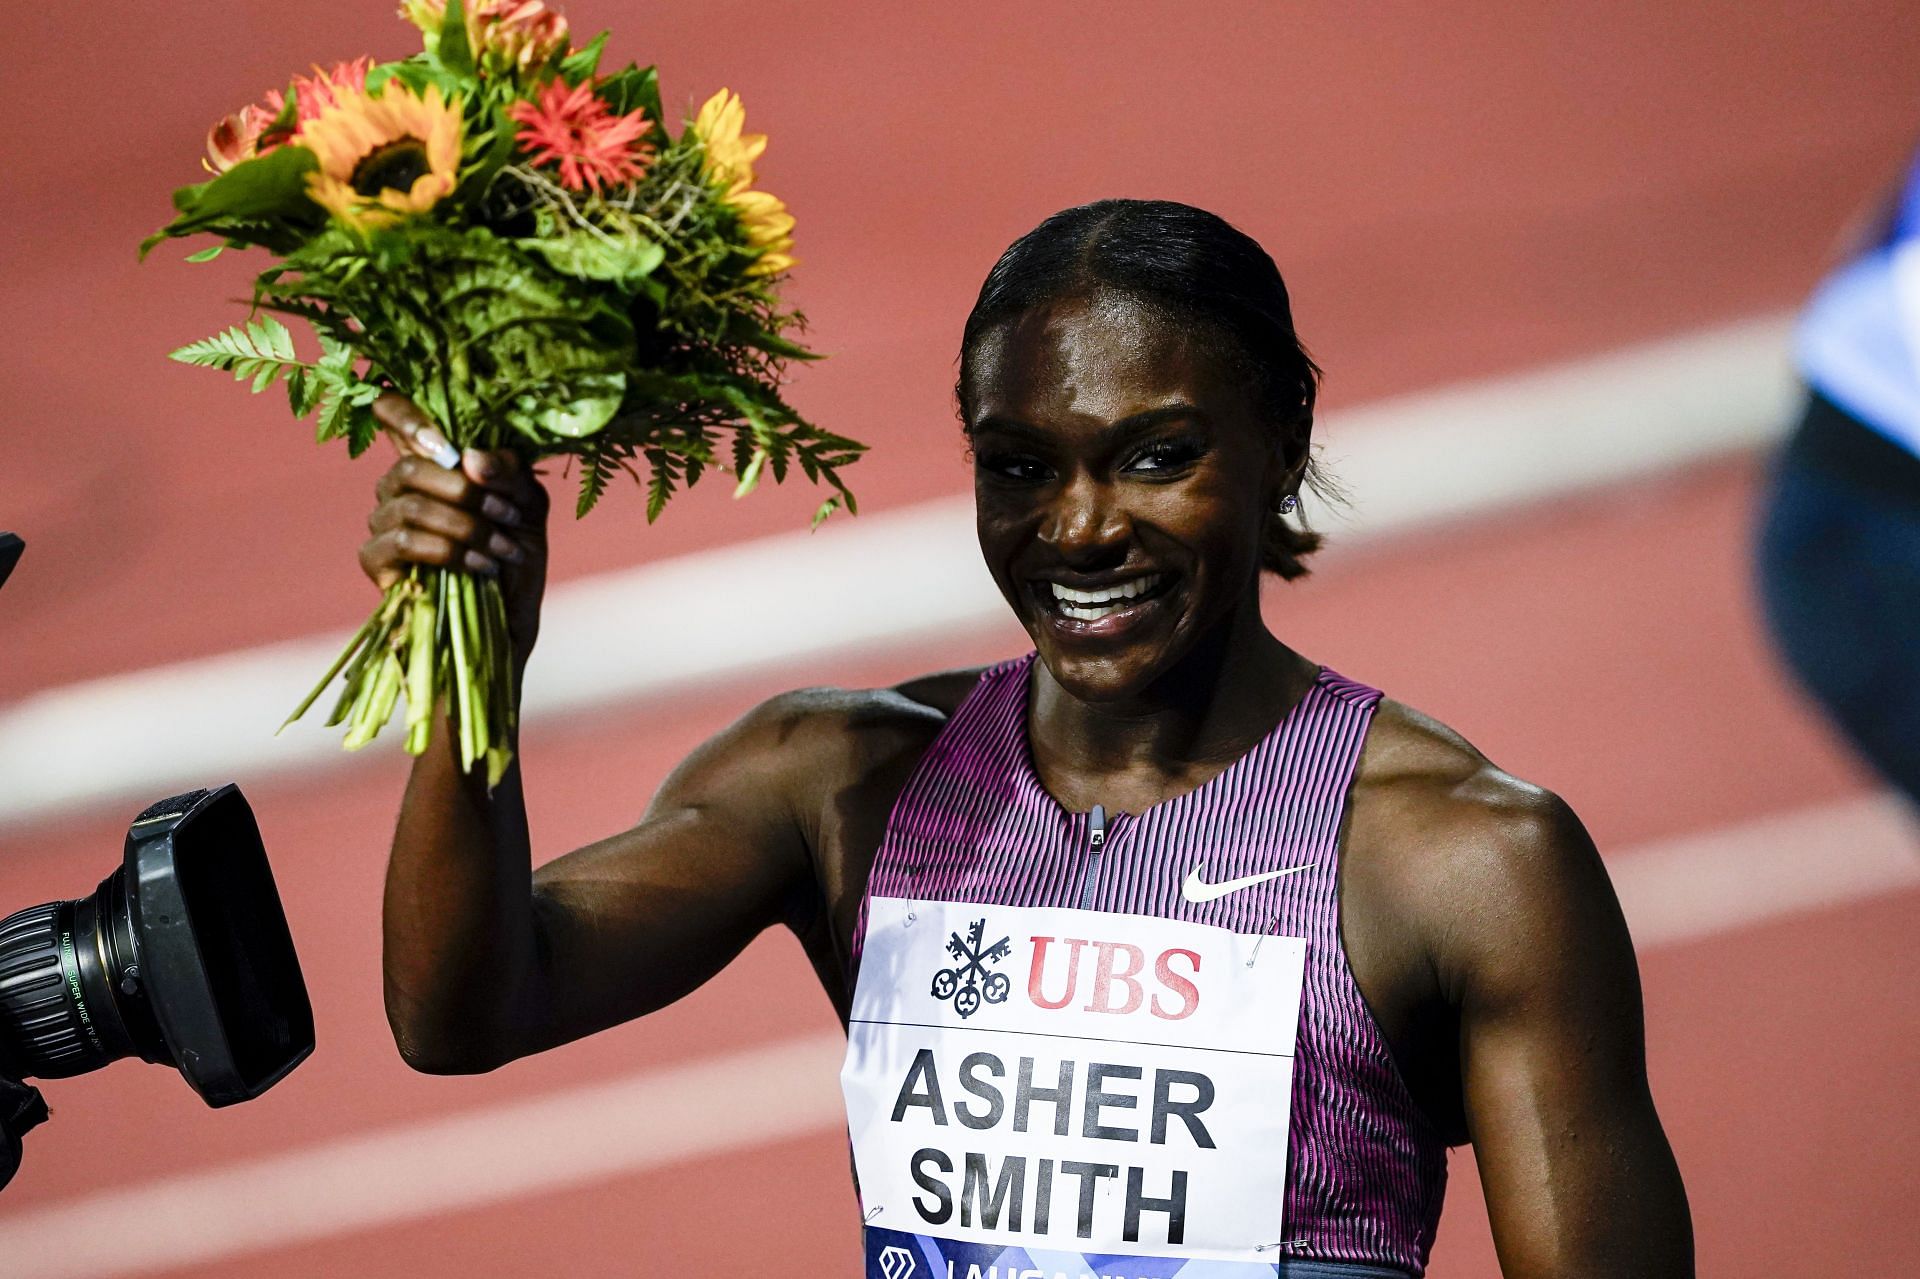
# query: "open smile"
[[1106, 610]]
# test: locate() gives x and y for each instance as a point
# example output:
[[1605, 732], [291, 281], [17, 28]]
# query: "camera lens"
[[181, 957], [71, 998]]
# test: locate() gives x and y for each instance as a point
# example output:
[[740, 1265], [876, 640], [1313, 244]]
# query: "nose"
[[1085, 525]]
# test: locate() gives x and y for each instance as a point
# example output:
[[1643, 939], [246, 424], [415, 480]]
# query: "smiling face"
[[1123, 476]]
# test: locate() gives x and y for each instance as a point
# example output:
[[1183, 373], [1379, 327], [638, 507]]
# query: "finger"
[[412, 432], [514, 498], [501, 470], [483, 467], [406, 545], [415, 511], [522, 486], [503, 512], [418, 475]]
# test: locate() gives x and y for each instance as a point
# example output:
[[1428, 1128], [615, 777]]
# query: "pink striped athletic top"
[[1366, 1171]]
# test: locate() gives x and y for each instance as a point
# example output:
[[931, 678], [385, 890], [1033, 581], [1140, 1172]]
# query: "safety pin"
[[1283, 1243], [1261, 941]]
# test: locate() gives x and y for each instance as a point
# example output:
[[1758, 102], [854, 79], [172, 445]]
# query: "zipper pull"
[[1096, 840]]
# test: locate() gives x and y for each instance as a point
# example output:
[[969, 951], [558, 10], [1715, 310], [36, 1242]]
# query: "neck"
[[1196, 718]]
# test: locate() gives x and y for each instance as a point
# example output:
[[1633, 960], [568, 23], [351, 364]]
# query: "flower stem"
[[462, 673]]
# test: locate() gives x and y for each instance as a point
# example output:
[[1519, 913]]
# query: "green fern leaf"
[[596, 469], [660, 487], [261, 353]]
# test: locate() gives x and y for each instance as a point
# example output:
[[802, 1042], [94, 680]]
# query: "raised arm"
[[1578, 1176], [486, 960]]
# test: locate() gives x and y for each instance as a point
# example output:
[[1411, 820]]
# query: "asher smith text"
[[1088, 1100]]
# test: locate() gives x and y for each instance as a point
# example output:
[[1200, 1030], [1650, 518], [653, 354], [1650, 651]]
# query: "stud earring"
[[1289, 504]]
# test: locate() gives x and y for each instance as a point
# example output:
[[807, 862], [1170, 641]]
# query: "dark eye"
[[1014, 468], [1163, 456]]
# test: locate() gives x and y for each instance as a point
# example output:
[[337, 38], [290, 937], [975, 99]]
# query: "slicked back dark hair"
[[1196, 267]]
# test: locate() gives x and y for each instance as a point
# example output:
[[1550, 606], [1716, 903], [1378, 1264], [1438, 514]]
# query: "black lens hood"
[[10, 548], [191, 861]]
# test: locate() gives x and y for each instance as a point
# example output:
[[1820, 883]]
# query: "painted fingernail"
[[499, 510], [505, 549], [437, 447], [480, 465], [475, 562]]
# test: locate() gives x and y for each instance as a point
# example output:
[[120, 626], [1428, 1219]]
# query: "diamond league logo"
[[969, 981], [895, 1262]]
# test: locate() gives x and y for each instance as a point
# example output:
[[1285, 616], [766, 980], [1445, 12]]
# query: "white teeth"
[[1087, 605], [1124, 591]]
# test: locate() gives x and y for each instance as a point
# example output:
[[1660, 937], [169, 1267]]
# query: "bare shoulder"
[[1422, 777], [1479, 862], [838, 735]]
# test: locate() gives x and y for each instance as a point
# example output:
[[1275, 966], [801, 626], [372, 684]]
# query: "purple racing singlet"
[[1075, 1035]]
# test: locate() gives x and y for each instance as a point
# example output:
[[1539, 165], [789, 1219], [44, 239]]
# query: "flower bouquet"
[[511, 238]]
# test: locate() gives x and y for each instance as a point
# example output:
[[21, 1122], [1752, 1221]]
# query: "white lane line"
[[445, 1165], [1788, 864], [899, 577], [1673, 892]]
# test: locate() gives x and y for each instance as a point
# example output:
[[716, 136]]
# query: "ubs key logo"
[[969, 981], [895, 1262]]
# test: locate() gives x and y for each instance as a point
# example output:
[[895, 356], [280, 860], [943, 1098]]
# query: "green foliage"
[[452, 50], [260, 201], [495, 344], [619, 255], [344, 401], [488, 150], [636, 88], [584, 63], [621, 327], [262, 353], [595, 472]]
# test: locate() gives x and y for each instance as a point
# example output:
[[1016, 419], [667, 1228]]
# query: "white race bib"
[[1028, 1087]]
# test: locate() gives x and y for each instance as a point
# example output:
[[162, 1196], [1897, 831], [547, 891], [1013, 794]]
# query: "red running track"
[[1778, 1053]]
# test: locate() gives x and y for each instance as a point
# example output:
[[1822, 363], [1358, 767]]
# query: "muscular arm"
[[1578, 1175], [487, 960]]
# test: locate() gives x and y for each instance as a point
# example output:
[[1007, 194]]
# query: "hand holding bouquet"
[[498, 232]]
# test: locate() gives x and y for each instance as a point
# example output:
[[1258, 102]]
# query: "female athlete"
[[1162, 950]]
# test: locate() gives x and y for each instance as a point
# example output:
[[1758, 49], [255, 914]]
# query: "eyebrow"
[[1133, 424]]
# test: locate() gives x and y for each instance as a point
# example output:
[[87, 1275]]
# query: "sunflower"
[[383, 157], [730, 154]]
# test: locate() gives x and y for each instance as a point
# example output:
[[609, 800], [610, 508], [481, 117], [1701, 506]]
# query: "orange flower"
[[522, 34], [241, 136], [575, 130]]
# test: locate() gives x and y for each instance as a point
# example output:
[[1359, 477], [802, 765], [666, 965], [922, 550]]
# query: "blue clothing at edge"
[[1858, 340]]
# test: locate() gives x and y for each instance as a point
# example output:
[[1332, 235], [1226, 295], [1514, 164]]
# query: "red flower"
[[574, 129], [323, 89]]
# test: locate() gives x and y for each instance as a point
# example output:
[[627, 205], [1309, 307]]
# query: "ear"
[[1287, 463]]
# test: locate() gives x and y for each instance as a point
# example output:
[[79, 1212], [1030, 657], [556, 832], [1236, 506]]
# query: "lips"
[[1101, 609]]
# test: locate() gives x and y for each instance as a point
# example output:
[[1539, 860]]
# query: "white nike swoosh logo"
[[1199, 891]]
